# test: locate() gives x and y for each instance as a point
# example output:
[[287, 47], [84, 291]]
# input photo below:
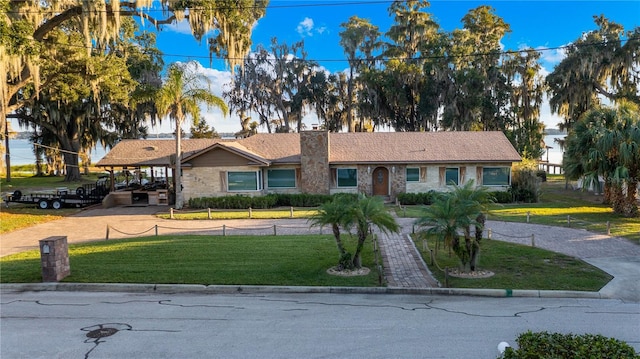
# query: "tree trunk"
[[72, 168], [357, 261], [178, 167], [631, 205], [336, 234]]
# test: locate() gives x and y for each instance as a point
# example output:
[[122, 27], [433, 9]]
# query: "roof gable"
[[233, 148]]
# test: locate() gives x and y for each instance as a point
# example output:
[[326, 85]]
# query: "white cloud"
[[305, 27], [181, 27], [552, 56]]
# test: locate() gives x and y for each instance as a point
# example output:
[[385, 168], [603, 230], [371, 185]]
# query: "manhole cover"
[[102, 333]]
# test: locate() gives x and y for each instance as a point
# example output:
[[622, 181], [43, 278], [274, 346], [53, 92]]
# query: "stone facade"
[[211, 181], [54, 258], [314, 162]]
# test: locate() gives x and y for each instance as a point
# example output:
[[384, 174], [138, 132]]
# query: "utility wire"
[[387, 58]]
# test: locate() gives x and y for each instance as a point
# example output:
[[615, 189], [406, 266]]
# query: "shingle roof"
[[377, 147], [413, 147], [136, 153]]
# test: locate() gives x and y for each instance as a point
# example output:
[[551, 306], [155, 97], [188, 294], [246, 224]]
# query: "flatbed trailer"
[[85, 195]]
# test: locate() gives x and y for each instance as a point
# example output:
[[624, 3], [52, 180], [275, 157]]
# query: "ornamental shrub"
[[544, 345], [425, 198], [502, 197]]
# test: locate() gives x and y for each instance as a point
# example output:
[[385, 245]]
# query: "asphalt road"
[[120, 325]]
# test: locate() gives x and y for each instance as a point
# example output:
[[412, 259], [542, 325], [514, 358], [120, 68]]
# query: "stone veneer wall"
[[207, 182], [314, 162]]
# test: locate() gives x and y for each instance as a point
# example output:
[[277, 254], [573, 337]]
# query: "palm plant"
[[368, 213], [453, 212], [478, 198], [363, 214], [606, 142], [332, 214], [180, 97]]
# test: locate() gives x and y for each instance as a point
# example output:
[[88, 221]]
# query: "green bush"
[[544, 345], [264, 202], [502, 197], [301, 199], [525, 186], [234, 202], [425, 198]]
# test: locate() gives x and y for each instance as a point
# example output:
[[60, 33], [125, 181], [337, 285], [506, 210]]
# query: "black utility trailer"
[[85, 195]]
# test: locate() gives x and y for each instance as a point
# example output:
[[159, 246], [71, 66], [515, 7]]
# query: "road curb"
[[248, 289]]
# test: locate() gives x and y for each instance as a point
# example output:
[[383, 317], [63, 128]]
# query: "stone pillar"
[[314, 161], [54, 257]]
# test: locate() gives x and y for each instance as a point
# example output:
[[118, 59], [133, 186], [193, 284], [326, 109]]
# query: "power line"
[[428, 57]]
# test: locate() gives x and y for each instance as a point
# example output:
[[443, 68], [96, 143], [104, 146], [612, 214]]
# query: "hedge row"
[[544, 345], [426, 198], [263, 202]]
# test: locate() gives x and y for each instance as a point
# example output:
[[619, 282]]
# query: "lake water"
[[555, 153], [22, 151]]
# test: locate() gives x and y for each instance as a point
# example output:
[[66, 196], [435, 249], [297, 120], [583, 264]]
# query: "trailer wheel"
[[43, 204], [80, 191], [16, 195], [56, 204]]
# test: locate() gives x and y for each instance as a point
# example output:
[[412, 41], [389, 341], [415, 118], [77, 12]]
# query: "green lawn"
[[519, 267], [247, 260], [243, 214]]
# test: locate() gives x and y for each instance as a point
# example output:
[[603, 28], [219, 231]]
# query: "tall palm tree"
[[179, 98]]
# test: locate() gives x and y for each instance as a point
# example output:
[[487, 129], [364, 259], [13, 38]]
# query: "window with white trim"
[[243, 181], [496, 176], [281, 178], [347, 177], [413, 174], [451, 176]]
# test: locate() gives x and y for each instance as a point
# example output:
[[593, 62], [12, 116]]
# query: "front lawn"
[[232, 260], [519, 267]]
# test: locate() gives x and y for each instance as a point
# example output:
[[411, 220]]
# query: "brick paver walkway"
[[403, 266]]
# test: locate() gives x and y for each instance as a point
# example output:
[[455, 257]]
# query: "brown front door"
[[380, 181]]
